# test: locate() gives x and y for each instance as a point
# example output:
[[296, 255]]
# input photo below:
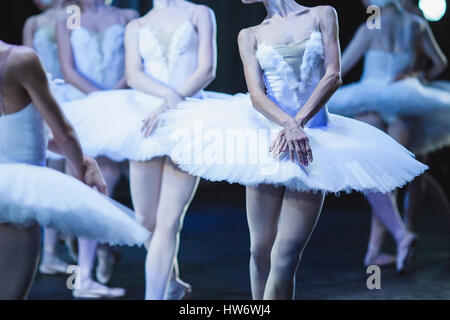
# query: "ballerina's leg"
[[145, 185], [50, 263], [299, 214], [177, 191], [19, 257], [263, 210]]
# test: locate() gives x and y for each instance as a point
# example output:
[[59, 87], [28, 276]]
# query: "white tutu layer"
[[30, 194], [227, 140], [109, 124], [426, 108]]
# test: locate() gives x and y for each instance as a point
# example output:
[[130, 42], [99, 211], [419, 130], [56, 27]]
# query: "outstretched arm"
[[71, 75], [331, 81], [65, 141]]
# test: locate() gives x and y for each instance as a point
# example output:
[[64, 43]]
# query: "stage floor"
[[214, 255]]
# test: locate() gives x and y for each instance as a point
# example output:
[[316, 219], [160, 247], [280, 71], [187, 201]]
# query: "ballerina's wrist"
[[289, 123]]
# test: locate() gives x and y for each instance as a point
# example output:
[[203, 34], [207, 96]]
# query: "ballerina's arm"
[[434, 52], [292, 137], [331, 81], [28, 32], [205, 22], [356, 49], [65, 140], [71, 75], [135, 75], [129, 15]]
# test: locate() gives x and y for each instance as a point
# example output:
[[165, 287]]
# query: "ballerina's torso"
[[23, 137], [100, 56], [292, 72], [381, 65], [44, 42], [170, 57]]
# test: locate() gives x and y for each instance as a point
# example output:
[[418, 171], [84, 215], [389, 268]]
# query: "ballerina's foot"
[[53, 266], [371, 254], [107, 259], [382, 260], [405, 252], [93, 290], [178, 290]]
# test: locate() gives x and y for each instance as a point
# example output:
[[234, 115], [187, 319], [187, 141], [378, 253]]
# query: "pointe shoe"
[[178, 290], [53, 266], [95, 290], [107, 259], [405, 252]]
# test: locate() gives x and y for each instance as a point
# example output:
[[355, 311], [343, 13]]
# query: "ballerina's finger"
[[276, 142], [291, 147], [308, 151], [299, 152], [283, 146], [150, 126]]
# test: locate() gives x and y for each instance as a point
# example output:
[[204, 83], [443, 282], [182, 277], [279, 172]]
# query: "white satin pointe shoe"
[[178, 290], [406, 252], [52, 266], [91, 289]]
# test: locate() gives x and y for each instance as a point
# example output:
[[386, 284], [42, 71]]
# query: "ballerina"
[[390, 97], [32, 196], [92, 59], [170, 57], [290, 76], [39, 33]]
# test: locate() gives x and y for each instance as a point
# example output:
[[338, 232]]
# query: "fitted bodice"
[[382, 65], [23, 137], [44, 43], [291, 74], [100, 56], [169, 57]]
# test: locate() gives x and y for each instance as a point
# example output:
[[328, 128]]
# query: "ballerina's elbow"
[[335, 80], [209, 74], [130, 79]]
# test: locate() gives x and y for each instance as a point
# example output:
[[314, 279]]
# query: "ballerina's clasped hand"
[[294, 138], [171, 100]]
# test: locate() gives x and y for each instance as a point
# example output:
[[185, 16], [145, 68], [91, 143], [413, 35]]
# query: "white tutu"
[[109, 124], [425, 108], [227, 140], [30, 194]]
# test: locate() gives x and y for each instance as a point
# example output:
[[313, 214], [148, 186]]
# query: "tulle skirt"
[[222, 138], [109, 124], [31, 194], [426, 109], [227, 140]]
